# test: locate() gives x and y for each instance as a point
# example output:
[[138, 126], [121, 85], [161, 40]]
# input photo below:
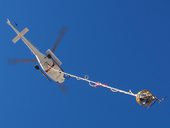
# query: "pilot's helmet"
[[145, 98]]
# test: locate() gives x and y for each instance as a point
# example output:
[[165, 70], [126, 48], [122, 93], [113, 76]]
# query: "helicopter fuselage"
[[49, 63], [50, 68]]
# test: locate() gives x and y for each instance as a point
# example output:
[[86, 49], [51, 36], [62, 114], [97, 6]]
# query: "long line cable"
[[97, 84]]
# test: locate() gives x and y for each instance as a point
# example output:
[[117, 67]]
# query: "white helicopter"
[[50, 65]]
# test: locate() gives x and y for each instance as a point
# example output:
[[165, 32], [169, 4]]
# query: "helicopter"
[[48, 64]]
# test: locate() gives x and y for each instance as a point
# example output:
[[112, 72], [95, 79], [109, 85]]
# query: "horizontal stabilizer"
[[20, 35]]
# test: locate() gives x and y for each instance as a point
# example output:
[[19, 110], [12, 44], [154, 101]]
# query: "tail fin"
[[8, 21], [20, 35]]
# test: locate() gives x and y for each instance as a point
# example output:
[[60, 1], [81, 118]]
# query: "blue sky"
[[125, 44]]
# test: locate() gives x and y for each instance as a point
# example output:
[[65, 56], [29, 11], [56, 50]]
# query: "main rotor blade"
[[16, 61], [61, 34]]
